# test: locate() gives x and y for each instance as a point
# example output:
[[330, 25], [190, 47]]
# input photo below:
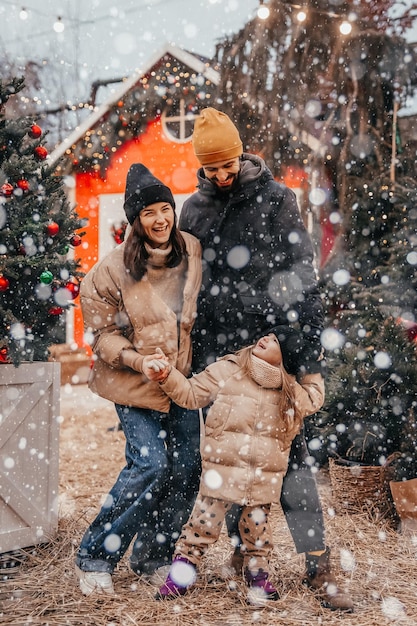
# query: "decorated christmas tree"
[[39, 279]]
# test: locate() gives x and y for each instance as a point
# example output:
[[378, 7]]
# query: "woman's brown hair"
[[135, 256]]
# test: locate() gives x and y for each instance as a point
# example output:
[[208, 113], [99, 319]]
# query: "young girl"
[[257, 410]]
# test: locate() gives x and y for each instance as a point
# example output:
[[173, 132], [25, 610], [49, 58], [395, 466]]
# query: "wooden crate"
[[29, 453], [75, 363]]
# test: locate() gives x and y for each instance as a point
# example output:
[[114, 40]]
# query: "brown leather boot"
[[325, 584], [236, 562]]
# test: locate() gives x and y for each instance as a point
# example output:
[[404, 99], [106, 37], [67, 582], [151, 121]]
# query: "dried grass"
[[44, 591]]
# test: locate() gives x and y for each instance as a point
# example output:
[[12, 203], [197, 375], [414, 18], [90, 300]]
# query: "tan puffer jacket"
[[246, 445], [128, 316]]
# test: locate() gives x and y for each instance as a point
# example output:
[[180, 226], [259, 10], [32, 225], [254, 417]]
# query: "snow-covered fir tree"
[[371, 296]]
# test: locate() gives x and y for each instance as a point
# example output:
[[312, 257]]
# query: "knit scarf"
[[264, 374], [157, 256], [167, 282]]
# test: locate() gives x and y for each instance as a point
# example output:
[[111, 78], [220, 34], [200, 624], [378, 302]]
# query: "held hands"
[[155, 366]]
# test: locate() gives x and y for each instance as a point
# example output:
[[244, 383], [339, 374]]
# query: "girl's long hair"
[[288, 406], [135, 256]]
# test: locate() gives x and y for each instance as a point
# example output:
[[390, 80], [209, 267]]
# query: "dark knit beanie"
[[292, 344], [143, 189]]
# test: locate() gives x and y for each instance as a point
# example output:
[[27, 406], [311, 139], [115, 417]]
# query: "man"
[[258, 274]]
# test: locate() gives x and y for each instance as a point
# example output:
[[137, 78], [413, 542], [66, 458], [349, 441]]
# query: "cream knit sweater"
[[168, 282]]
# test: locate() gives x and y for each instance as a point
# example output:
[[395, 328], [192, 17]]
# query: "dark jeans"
[[153, 494], [299, 500]]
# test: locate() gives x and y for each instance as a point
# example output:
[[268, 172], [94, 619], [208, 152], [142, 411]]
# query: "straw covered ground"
[[371, 559]]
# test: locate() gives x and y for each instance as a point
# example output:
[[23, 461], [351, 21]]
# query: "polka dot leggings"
[[204, 526]]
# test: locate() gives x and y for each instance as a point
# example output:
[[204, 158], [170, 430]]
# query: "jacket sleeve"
[[310, 393], [294, 249], [184, 219], [192, 393], [100, 303], [296, 288]]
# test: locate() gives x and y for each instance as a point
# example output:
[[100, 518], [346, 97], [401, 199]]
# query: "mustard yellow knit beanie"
[[215, 137]]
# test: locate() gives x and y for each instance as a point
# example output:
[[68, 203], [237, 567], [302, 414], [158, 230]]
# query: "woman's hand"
[[155, 366]]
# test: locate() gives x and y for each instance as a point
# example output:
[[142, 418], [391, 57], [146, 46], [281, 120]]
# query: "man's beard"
[[229, 188]]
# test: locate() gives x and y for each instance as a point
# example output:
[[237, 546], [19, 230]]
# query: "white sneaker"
[[100, 582], [159, 576]]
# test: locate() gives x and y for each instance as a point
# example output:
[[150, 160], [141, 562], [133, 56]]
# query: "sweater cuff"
[[131, 358]]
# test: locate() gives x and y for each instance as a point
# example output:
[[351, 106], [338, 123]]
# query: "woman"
[[139, 297]]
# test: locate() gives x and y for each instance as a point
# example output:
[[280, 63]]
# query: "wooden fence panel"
[[29, 453]]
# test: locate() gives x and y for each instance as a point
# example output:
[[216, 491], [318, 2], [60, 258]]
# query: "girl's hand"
[[155, 366]]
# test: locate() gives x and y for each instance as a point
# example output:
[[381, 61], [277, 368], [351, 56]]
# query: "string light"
[[301, 16], [59, 25], [263, 11], [345, 27], [23, 14]]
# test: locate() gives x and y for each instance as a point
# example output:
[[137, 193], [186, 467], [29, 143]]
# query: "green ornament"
[[64, 250], [46, 277]]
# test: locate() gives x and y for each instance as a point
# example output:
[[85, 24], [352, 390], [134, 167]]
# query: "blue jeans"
[[153, 495]]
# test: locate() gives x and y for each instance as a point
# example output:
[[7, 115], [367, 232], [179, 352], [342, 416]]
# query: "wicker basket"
[[362, 488]]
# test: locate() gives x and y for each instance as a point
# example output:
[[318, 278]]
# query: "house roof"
[[79, 145]]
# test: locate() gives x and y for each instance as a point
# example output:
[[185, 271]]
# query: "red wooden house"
[[148, 119]]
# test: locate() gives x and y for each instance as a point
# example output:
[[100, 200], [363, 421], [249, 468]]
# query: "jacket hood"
[[252, 169]]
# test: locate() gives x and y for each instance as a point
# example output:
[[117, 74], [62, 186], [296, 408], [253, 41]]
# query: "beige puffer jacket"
[[245, 448], [128, 316]]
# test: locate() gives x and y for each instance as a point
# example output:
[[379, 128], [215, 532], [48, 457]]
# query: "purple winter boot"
[[181, 577], [260, 588]]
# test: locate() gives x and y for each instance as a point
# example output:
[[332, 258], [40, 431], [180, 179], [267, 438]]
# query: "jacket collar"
[[253, 173]]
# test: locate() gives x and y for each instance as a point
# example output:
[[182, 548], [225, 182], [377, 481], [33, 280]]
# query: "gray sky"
[[109, 38]]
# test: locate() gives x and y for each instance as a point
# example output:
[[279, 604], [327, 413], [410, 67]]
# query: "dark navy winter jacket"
[[257, 259]]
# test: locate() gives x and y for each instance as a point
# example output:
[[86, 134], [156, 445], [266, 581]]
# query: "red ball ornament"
[[118, 236], [52, 229], [3, 355], [75, 240], [4, 283], [412, 332], [23, 184], [41, 153], [55, 310], [7, 189], [73, 288], [35, 131]]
